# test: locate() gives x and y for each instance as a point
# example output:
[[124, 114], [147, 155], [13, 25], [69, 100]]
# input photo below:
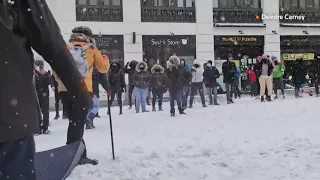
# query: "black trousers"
[[17, 159], [57, 101], [253, 89], [157, 94], [175, 95], [131, 87], [44, 106], [77, 119], [119, 98], [194, 87], [230, 88]]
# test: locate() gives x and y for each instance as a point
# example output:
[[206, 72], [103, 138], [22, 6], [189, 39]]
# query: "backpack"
[[80, 59]]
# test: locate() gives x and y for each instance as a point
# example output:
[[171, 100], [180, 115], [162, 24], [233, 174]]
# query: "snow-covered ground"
[[247, 140]]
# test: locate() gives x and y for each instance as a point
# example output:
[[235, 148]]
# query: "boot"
[[204, 105], [120, 110], [269, 98], [84, 161], [130, 107], [172, 112], [64, 116], [160, 108], [89, 124], [216, 103], [137, 109], [190, 106], [231, 101], [97, 115], [211, 103], [262, 98], [154, 109], [57, 117]]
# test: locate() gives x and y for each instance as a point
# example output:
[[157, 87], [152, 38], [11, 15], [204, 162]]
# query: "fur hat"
[[209, 62], [82, 29]]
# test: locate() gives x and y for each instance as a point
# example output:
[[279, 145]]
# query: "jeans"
[[94, 109], [253, 89], [141, 98], [157, 93], [175, 95], [184, 96], [229, 90], [278, 84], [214, 91], [194, 87], [17, 160]]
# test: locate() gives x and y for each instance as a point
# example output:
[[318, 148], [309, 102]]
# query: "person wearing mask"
[[197, 83], [299, 75], [278, 73], [130, 69], [117, 84], [315, 74], [158, 85], [229, 69], [42, 82], [186, 83], [253, 82], [81, 36], [141, 80], [175, 74], [22, 30], [210, 76], [237, 92], [265, 69]]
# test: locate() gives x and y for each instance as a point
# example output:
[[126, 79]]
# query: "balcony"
[[168, 14], [237, 15], [311, 16], [99, 13]]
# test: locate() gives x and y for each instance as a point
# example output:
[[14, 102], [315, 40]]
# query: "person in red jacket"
[[253, 82]]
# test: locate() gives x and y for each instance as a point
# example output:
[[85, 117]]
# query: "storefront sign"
[[299, 40], [239, 40], [175, 40], [108, 41], [292, 57]]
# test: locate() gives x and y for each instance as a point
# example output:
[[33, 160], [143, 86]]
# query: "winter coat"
[[197, 72], [130, 69], [299, 72], [97, 79], [42, 83], [210, 76], [158, 78], [22, 30], [278, 71], [315, 71], [61, 87], [252, 76], [259, 68], [94, 58], [141, 78], [175, 74], [116, 78], [229, 69]]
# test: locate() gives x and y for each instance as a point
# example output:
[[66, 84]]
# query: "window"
[[168, 3], [299, 4], [99, 2], [237, 4]]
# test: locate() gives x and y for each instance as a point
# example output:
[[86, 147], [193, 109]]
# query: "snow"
[[243, 141]]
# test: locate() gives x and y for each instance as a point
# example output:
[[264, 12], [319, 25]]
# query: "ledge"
[[238, 25], [299, 25]]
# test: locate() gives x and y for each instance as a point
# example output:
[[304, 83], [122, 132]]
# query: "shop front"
[[292, 47], [158, 48], [244, 50], [112, 46]]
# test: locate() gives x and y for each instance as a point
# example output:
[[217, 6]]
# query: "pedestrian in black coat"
[[22, 30], [210, 76], [264, 72], [299, 75], [229, 69], [129, 69], [175, 74], [315, 74], [116, 83], [42, 82], [158, 85]]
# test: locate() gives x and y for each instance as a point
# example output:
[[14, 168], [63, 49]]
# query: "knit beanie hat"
[[209, 62]]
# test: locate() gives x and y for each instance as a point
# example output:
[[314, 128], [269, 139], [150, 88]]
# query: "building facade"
[[152, 30]]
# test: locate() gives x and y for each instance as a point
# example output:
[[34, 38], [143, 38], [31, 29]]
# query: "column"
[[205, 46], [132, 21], [272, 41]]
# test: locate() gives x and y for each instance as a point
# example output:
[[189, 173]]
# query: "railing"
[[168, 14], [99, 13], [310, 16], [237, 15]]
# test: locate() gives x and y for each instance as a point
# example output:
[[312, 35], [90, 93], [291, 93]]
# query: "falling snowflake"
[[25, 125], [44, 94], [223, 18], [29, 9], [14, 102], [40, 17], [51, 154], [84, 10], [235, 42], [6, 62]]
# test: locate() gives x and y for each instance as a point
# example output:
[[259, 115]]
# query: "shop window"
[[168, 3], [237, 4], [299, 4], [99, 2]]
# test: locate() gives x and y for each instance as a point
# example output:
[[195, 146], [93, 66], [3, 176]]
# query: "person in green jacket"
[[278, 77]]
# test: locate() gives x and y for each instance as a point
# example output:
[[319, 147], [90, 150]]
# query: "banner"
[[292, 57], [238, 40]]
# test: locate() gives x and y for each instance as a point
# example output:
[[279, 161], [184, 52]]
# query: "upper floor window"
[[236, 4], [300, 4], [168, 3], [99, 2]]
